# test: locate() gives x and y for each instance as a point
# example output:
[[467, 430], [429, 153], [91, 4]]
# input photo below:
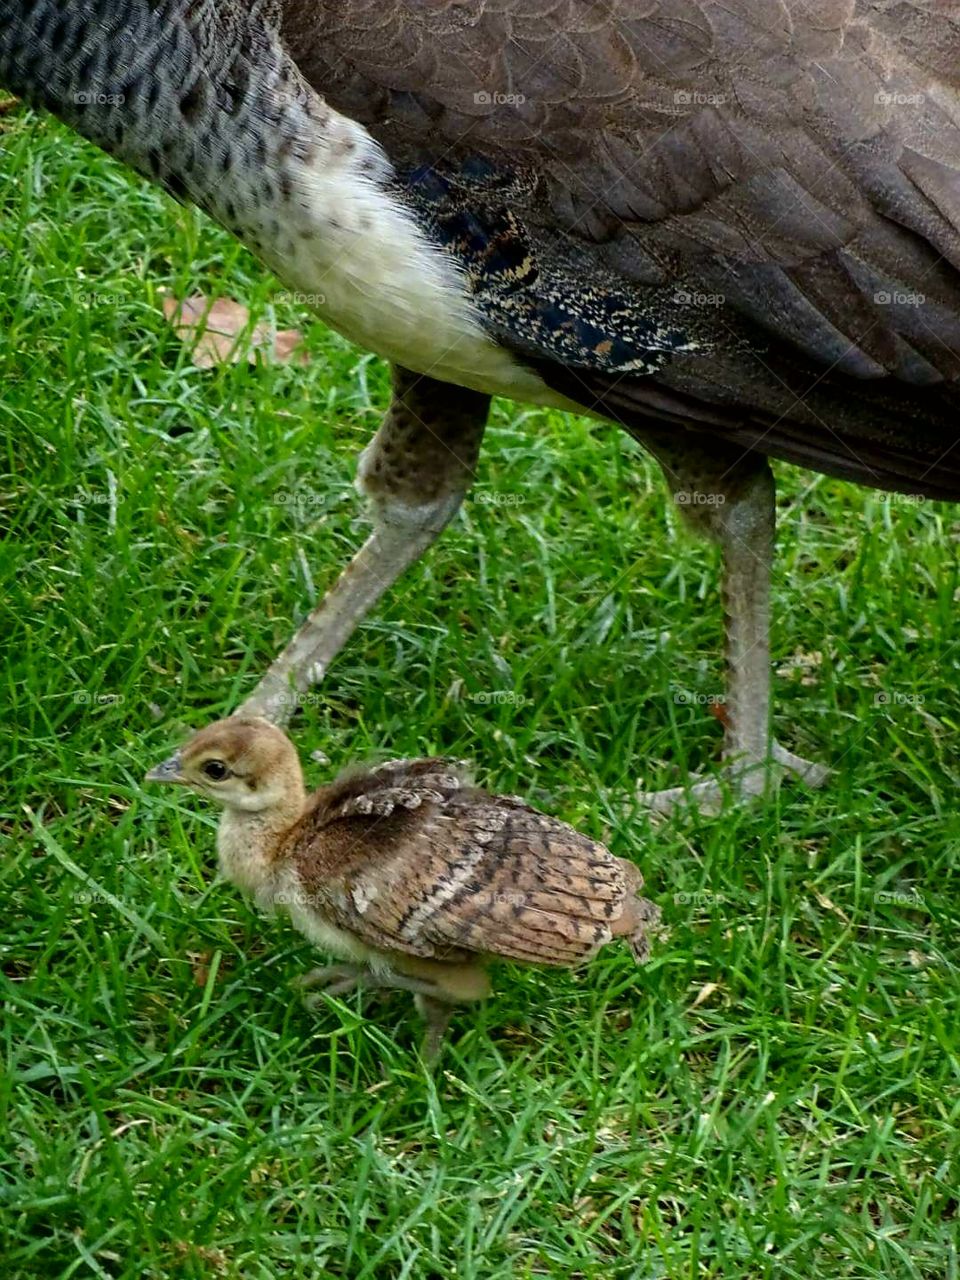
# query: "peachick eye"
[[216, 770]]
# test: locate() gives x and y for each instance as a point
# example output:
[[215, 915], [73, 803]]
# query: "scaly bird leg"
[[415, 472], [340, 979], [730, 497], [433, 1004], [437, 1014], [344, 977]]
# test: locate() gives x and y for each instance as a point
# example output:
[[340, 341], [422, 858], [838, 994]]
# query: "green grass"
[[776, 1094]]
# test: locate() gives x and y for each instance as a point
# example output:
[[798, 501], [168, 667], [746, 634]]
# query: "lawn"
[[774, 1095]]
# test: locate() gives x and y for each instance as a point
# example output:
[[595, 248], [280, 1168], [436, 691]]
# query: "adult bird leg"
[[415, 473], [729, 496]]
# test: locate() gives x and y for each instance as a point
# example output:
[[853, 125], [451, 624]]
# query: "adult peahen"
[[731, 226]]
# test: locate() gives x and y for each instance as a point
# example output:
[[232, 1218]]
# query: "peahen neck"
[[202, 97]]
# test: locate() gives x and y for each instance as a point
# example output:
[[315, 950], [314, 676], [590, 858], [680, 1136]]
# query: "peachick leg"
[[337, 980], [415, 471], [437, 1014], [381, 981], [332, 979], [730, 497], [432, 1003], [326, 975]]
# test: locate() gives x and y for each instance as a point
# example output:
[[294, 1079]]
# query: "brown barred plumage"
[[408, 868]]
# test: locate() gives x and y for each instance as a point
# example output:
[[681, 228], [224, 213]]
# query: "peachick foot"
[[332, 979], [323, 976], [341, 979]]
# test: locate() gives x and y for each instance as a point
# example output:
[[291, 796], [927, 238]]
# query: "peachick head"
[[243, 762]]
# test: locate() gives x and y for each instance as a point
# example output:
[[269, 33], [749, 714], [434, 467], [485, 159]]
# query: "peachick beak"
[[169, 771]]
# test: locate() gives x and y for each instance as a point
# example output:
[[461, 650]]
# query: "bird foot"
[[339, 979], [809, 772], [332, 979], [741, 782]]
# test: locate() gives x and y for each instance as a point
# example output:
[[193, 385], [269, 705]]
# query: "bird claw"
[[806, 771], [339, 979], [708, 797], [332, 979], [740, 783]]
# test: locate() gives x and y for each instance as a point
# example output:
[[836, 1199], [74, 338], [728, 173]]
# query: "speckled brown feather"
[[407, 870], [411, 858]]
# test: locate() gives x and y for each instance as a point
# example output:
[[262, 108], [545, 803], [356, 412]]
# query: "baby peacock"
[[407, 871]]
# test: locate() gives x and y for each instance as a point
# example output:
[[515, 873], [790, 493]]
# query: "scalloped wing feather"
[[448, 873]]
